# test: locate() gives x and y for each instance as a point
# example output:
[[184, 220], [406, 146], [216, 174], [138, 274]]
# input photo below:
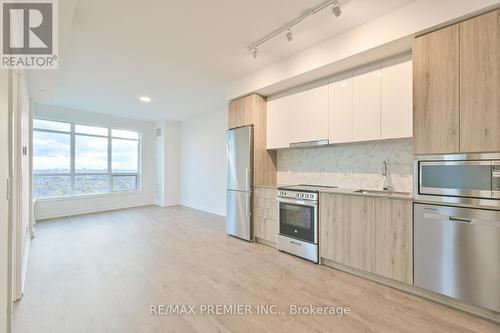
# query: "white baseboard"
[[124, 206], [167, 204], [92, 210], [25, 264], [205, 209]]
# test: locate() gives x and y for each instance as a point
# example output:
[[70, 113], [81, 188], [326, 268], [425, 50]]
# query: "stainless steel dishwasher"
[[457, 253]]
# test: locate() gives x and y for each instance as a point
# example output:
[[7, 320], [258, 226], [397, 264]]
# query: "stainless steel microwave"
[[458, 178]]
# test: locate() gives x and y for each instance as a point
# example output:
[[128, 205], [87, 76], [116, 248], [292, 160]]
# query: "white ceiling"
[[181, 53]]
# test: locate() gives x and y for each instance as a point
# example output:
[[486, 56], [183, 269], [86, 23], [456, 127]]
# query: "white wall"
[[49, 208], [203, 162], [167, 164]]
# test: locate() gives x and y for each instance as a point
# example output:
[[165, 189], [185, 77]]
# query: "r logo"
[[27, 27]]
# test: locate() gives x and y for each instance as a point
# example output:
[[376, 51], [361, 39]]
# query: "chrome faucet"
[[387, 177]]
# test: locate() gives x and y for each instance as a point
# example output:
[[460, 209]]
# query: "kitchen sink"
[[381, 192]]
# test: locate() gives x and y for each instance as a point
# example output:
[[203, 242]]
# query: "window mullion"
[[110, 176], [72, 160], [139, 159]]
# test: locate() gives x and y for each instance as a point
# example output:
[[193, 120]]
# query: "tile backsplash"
[[356, 165]]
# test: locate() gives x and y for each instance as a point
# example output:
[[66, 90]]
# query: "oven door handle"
[[298, 202]]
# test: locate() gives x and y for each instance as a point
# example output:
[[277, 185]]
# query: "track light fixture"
[[254, 52], [336, 10]]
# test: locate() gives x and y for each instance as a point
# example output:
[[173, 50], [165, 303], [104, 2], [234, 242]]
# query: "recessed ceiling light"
[[145, 99]]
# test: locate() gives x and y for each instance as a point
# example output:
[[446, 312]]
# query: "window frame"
[[109, 172]]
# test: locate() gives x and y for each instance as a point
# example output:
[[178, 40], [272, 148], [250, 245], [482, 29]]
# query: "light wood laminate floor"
[[100, 273]]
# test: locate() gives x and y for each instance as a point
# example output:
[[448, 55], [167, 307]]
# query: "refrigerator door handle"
[[248, 175], [248, 205]]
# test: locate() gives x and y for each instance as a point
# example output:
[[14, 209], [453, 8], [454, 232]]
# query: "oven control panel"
[[298, 195]]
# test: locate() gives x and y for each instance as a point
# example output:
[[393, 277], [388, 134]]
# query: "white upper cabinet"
[[298, 117], [309, 115], [396, 100], [341, 110], [318, 114], [278, 123], [366, 105], [373, 103]]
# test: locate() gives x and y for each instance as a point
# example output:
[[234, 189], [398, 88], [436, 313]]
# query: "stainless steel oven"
[[458, 178], [298, 223]]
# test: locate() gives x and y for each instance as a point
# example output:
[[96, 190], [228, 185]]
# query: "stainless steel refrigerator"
[[239, 148]]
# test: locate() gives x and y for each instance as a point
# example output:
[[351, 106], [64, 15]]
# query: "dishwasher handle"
[[459, 219], [446, 217]]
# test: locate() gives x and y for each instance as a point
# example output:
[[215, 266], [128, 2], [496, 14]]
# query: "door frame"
[[6, 258], [16, 203], [22, 225]]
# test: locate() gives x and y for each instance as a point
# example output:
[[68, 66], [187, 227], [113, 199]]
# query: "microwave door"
[[470, 179], [495, 180]]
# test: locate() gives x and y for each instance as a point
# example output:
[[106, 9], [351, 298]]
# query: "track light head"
[[254, 52], [336, 10], [289, 35]]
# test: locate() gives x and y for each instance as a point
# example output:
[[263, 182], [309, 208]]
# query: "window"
[[74, 159]]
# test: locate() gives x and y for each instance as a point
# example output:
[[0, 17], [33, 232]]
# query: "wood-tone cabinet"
[[341, 110], [278, 127], [436, 92], [456, 80], [265, 221], [366, 105], [358, 235], [331, 240], [371, 234], [393, 239], [242, 111], [252, 110], [480, 83], [396, 110]]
